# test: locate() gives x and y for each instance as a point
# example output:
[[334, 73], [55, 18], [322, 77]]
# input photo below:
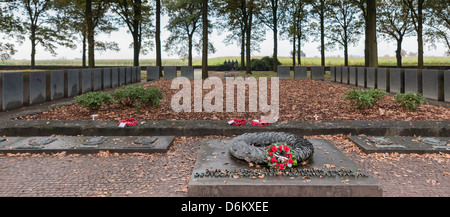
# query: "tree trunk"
[[33, 46], [248, 38], [243, 50], [205, 40], [372, 31], [420, 34], [158, 36], [275, 35], [345, 53], [136, 48], [90, 34], [83, 58], [190, 51], [398, 53], [137, 31], [322, 38], [294, 51]]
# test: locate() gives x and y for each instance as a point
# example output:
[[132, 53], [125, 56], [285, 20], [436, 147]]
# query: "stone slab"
[[97, 79], [371, 77], [345, 75], [170, 72], [352, 76], [86, 80], [213, 154], [138, 74], [187, 72], [114, 77], [403, 144], [318, 73], [300, 72], [122, 80], [152, 73], [284, 72], [12, 90], [397, 80], [361, 71], [447, 86], [85, 145], [413, 80], [433, 84], [56, 84], [106, 78], [38, 87], [73, 82], [338, 74], [128, 73], [133, 74], [333, 73], [383, 79]]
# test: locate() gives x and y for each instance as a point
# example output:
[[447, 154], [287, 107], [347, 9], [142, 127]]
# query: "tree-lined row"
[[335, 23]]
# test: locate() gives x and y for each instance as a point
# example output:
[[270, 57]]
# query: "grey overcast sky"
[[284, 47]]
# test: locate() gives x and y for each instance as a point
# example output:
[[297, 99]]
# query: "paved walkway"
[[166, 175]]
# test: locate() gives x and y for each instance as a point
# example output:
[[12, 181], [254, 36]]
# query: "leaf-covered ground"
[[300, 100]]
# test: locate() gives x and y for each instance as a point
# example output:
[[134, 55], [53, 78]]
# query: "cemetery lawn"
[[300, 100]]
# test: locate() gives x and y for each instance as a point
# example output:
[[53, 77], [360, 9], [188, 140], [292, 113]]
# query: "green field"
[[383, 61]]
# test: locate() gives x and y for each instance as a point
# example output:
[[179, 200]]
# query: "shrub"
[[263, 64], [411, 101], [94, 100], [364, 98], [137, 96]]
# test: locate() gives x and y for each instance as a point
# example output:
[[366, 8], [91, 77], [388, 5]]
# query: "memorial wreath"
[[280, 156]]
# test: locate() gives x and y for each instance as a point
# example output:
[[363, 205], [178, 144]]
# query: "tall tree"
[[297, 16], [320, 9], [395, 22], [344, 27], [137, 16], [439, 23], [72, 15], [273, 14], [10, 28], [42, 28], [416, 8]]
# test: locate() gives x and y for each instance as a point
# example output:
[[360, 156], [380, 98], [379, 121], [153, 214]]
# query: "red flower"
[[271, 153], [281, 166], [286, 149], [273, 160], [274, 148], [290, 161], [280, 147], [289, 155]]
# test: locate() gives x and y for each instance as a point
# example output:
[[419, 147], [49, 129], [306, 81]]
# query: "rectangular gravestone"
[[318, 73], [12, 90], [128, 75], [413, 80], [383, 79], [352, 76], [73, 76], [371, 77], [187, 72], [122, 76], [397, 80], [133, 75], [300, 72], [114, 77], [401, 144], [333, 73], [37, 88], [56, 84], [152, 73], [361, 71], [86, 80], [170, 72], [97, 79], [106, 78], [284, 72], [433, 84], [447, 86], [344, 75], [338, 74], [138, 74], [315, 178]]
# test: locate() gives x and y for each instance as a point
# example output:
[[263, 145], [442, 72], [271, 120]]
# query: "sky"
[[311, 48]]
